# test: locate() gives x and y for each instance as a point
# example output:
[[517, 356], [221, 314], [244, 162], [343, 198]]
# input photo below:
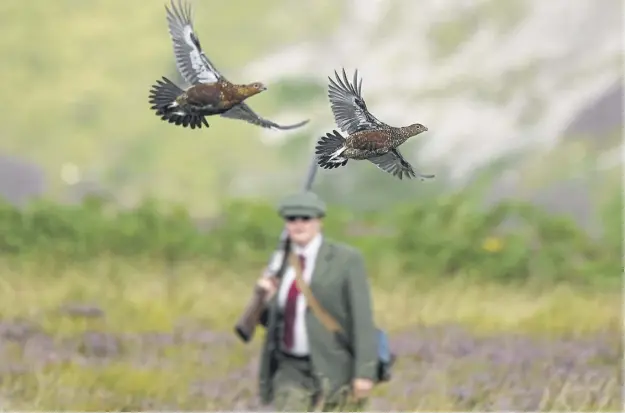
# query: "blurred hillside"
[[77, 76], [528, 79]]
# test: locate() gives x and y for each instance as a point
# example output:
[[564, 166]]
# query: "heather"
[[489, 306], [501, 308]]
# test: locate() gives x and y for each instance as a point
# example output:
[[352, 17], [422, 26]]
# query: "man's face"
[[302, 229]]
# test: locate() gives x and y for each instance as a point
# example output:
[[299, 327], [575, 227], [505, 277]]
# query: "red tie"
[[289, 308]]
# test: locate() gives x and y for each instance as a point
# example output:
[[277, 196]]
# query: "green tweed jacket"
[[340, 284]]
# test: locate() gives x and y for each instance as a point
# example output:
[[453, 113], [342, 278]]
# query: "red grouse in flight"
[[210, 93], [368, 138]]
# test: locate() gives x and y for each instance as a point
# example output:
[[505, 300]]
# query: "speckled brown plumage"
[[210, 93], [368, 138]]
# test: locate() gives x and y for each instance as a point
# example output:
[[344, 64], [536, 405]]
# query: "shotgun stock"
[[246, 325]]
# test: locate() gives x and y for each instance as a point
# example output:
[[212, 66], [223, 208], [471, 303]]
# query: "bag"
[[386, 358]]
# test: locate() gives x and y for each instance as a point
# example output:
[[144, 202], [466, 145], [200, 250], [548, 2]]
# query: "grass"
[[195, 307]]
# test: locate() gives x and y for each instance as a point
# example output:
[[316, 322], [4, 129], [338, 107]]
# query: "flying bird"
[[368, 138], [210, 92]]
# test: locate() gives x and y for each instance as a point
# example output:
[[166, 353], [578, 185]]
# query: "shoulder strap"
[[324, 317]]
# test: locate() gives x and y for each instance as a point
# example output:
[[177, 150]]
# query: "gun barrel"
[[246, 325]]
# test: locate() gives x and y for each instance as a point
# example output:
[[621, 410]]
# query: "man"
[[303, 365]]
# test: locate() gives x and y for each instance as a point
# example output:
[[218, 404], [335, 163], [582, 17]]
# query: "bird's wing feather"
[[394, 163], [348, 106], [243, 112], [191, 61]]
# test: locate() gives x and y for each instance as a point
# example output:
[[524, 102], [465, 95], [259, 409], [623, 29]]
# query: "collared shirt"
[[300, 335]]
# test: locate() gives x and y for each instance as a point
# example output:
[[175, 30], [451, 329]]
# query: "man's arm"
[[270, 285], [364, 333]]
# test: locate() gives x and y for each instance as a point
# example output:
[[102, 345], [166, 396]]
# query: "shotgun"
[[246, 326]]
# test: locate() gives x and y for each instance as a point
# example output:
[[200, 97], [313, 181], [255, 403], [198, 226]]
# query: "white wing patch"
[[198, 61], [191, 61]]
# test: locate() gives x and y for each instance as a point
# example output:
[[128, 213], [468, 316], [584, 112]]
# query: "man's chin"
[[300, 239]]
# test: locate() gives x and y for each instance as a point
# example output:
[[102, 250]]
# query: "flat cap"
[[302, 203]]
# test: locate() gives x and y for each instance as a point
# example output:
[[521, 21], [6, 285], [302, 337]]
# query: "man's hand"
[[361, 388], [269, 285]]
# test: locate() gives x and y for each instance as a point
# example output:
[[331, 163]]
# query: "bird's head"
[[416, 128], [252, 89]]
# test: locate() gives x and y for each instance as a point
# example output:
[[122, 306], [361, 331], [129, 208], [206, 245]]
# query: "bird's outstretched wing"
[[243, 112], [191, 61], [348, 106], [394, 163]]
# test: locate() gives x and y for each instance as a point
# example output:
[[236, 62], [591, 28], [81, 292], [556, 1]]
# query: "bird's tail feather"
[[163, 97], [329, 149]]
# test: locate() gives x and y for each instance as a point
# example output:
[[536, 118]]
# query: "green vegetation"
[[443, 236], [137, 306], [165, 341], [107, 308]]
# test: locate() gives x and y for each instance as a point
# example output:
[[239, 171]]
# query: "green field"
[[129, 310], [115, 334]]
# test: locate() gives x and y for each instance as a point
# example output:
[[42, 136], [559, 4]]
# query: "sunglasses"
[[294, 218]]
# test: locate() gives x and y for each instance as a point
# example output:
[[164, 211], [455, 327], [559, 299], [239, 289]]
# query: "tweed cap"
[[302, 203]]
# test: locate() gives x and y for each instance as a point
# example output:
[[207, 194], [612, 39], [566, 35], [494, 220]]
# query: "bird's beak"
[[425, 129]]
